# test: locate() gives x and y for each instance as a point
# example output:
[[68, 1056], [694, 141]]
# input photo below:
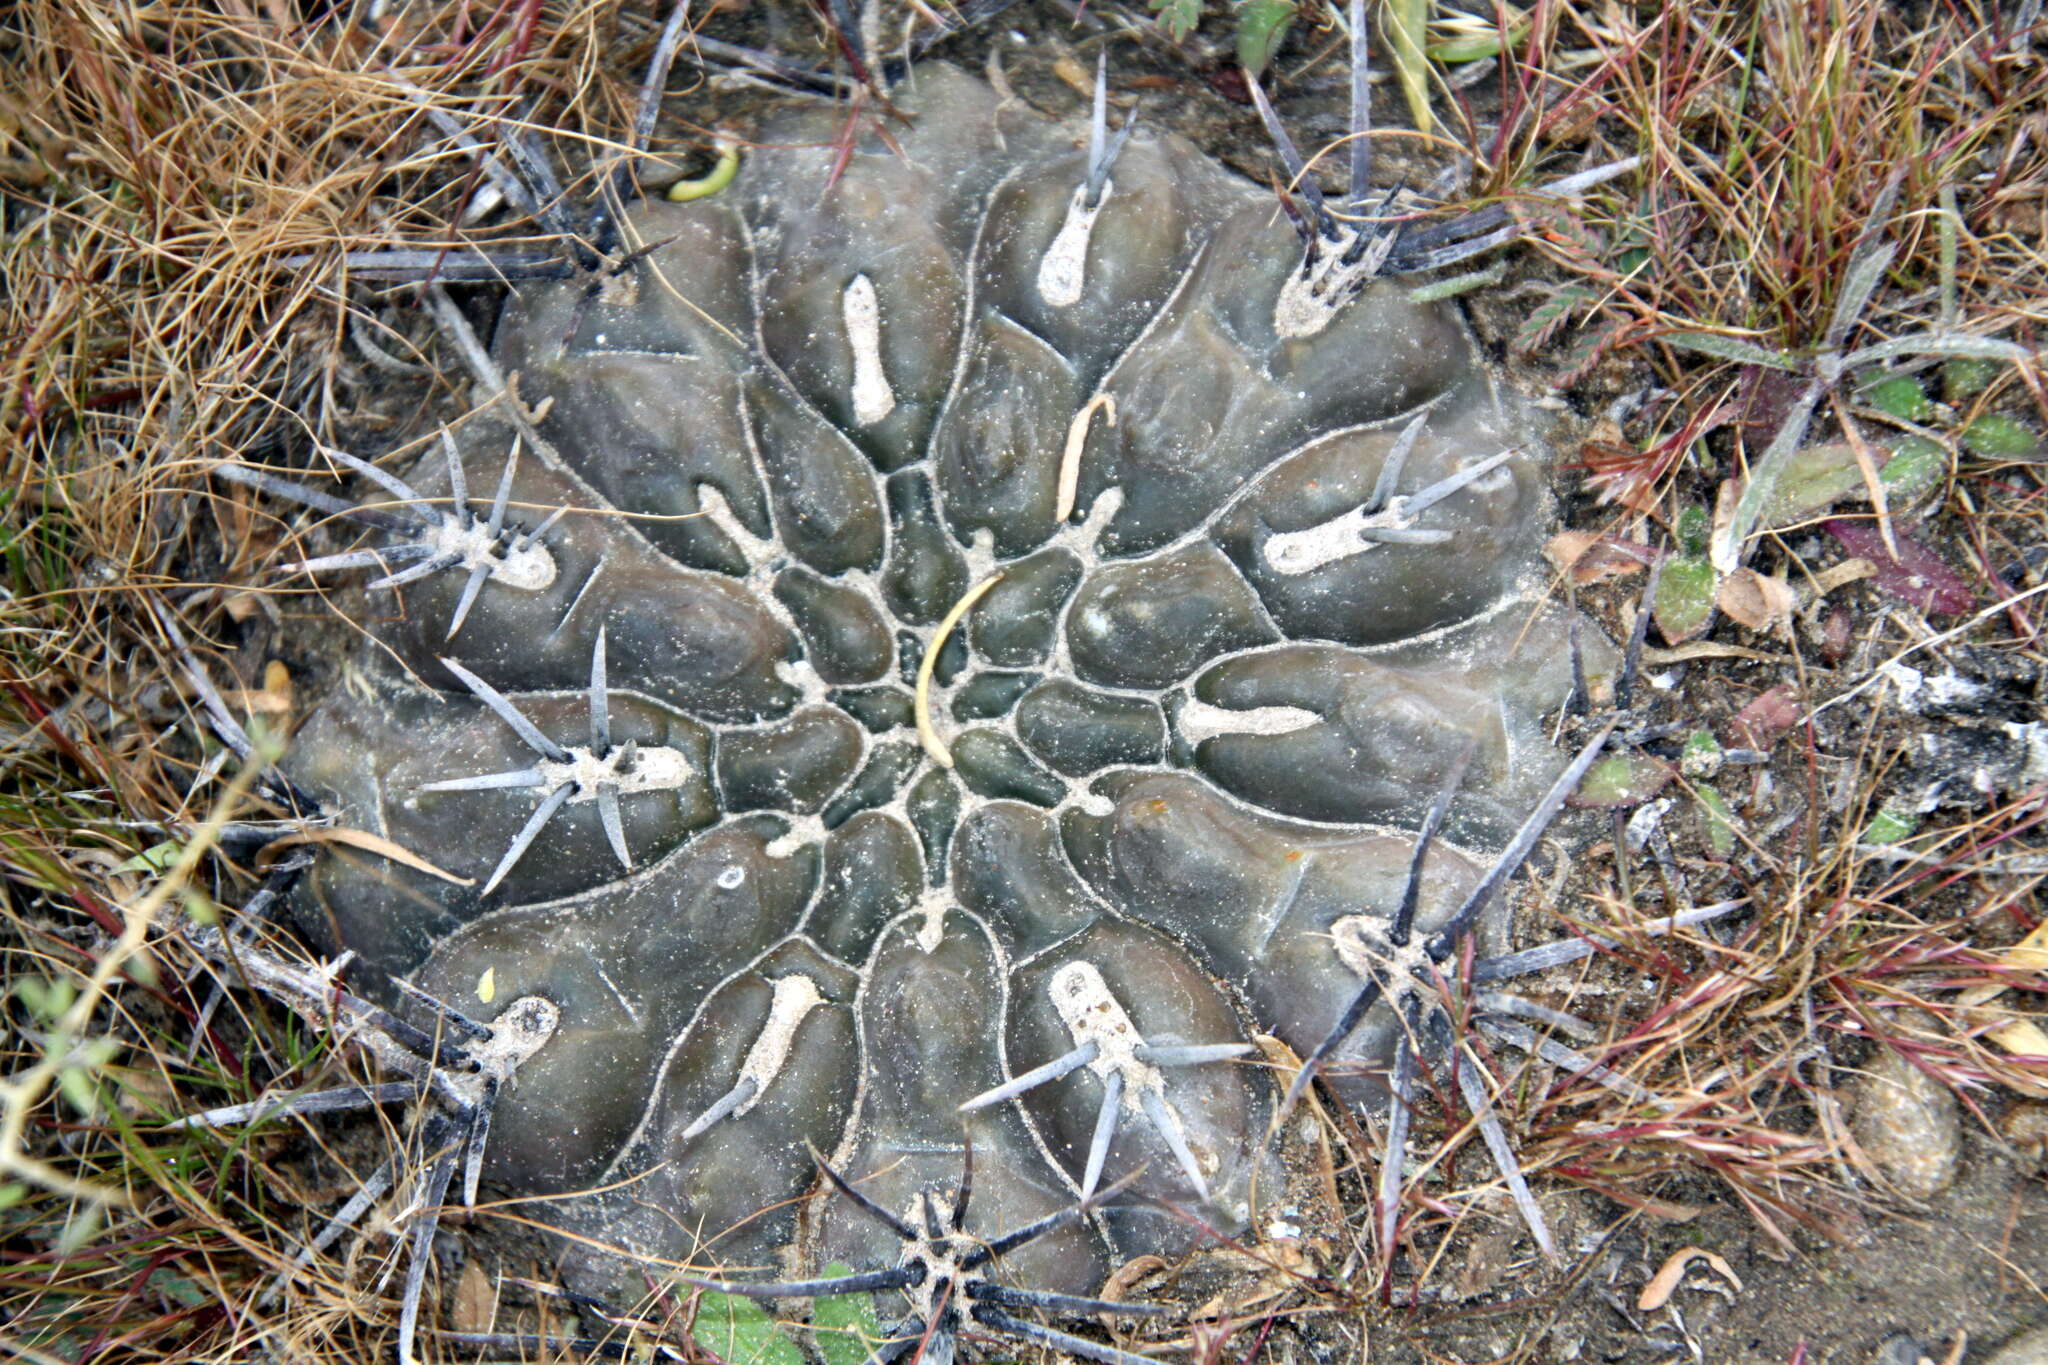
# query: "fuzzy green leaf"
[[1865, 273], [845, 1327], [1717, 821], [201, 908], [1997, 437], [1966, 376], [1701, 756], [1916, 467], [1946, 229], [76, 1084], [1178, 17], [1685, 598], [47, 998], [1890, 825], [82, 1226], [739, 1331], [1814, 479], [1931, 343], [1261, 24], [1692, 528], [1437, 290], [1764, 473], [1901, 397], [1624, 779]]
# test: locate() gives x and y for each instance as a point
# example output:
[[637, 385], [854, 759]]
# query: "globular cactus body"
[[1029, 623]]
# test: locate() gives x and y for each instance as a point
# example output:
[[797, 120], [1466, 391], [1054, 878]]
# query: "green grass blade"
[[1407, 22]]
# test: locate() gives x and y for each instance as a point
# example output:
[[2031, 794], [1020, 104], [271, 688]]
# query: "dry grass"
[[1775, 132], [159, 165], [1771, 135]]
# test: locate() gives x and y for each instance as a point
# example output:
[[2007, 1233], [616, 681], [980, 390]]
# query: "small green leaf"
[[1685, 598], [1903, 398], [1890, 825], [156, 859], [1178, 17], [1814, 479], [1964, 376], [76, 1084], [12, 1193], [1626, 779], [1261, 24], [201, 908], [186, 1291], [1474, 41], [844, 1326], [47, 999], [738, 1331], [1692, 528], [1716, 820], [1764, 472], [1701, 756], [1997, 437], [1917, 466]]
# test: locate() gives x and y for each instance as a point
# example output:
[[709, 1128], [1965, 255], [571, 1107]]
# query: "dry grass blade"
[[182, 189]]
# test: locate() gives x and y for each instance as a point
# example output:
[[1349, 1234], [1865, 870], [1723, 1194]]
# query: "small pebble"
[[1900, 1349], [2025, 1126], [2028, 1348], [1907, 1123]]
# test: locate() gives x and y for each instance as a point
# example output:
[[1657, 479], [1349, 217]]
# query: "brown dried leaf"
[[1752, 600], [1132, 1274], [1709, 649], [258, 701], [240, 606], [1665, 1282], [1282, 1267], [1842, 574], [475, 1307], [1726, 499], [369, 843], [1836, 634], [1075, 76], [1589, 556], [1768, 716]]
